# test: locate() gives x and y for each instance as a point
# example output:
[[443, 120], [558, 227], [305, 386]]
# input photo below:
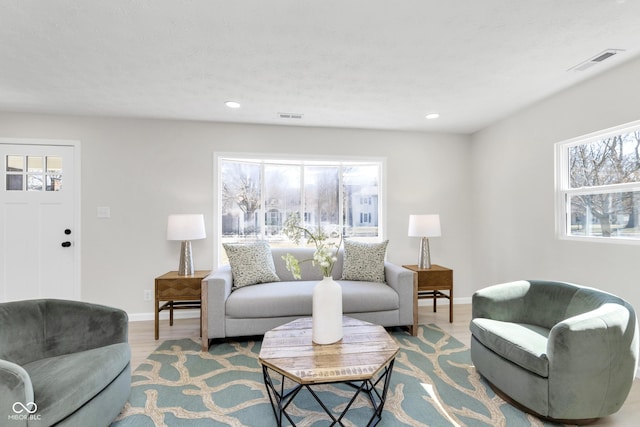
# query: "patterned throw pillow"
[[251, 263], [364, 261]]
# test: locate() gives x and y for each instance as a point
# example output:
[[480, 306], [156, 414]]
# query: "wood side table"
[[179, 292], [431, 281]]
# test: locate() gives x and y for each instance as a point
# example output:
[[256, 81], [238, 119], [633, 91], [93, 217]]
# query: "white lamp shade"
[[424, 226], [186, 227]]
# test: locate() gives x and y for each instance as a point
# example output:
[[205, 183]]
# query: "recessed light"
[[232, 104], [431, 116]]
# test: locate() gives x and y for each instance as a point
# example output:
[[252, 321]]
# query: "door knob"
[[66, 244]]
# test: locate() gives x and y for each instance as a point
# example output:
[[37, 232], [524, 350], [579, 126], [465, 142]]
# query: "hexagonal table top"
[[363, 351]]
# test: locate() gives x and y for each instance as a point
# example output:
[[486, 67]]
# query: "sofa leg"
[[204, 314], [413, 330]]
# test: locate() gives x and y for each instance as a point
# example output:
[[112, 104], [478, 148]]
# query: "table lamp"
[[424, 226], [186, 227]]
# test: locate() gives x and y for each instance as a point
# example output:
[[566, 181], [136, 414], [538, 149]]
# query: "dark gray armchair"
[[560, 350], [63, 363]]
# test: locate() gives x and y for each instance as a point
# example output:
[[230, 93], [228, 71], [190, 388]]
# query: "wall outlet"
[[147, 295]]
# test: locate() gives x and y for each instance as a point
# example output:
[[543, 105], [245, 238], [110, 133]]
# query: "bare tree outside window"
[[604, 186], [240, 193], [321, 189]]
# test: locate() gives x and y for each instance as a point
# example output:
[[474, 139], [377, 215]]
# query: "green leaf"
[[292, 265]]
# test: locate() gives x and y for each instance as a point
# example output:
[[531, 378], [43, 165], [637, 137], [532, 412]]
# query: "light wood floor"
[[143, 343]]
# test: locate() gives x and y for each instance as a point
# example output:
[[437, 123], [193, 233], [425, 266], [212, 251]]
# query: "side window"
[[599, 186]]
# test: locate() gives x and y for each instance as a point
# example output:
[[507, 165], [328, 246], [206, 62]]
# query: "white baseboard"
[[164, 315], [443, 301]]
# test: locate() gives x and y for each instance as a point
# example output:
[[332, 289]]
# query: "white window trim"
[[309, 159], [563, 190]]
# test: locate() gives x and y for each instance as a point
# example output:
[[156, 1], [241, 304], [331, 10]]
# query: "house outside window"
[[257, 193], [598, 186]]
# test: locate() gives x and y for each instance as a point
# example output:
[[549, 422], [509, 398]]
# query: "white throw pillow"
[[251, 263], [364, 261]]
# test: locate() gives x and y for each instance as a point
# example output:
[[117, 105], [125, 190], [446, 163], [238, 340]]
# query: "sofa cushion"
[[282, 299], [63, 384], [520, 343], [364, 261], [362, 297], [251, 263]]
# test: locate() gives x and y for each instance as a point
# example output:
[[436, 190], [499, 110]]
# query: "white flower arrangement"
[[325, 254]]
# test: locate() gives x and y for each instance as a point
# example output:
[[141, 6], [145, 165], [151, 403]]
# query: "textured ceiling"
[[376, 64]]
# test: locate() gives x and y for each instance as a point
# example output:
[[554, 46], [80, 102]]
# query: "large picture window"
[[598, 180], [256, 194]]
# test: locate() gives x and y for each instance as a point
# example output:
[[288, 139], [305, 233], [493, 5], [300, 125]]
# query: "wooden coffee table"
[[363, 360]]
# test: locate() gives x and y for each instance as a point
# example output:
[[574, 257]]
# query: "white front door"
[[39, 224]]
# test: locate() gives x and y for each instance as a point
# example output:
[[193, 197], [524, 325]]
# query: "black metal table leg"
[[281, 399]]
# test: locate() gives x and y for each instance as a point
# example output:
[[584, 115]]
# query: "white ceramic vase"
[[327, 312]]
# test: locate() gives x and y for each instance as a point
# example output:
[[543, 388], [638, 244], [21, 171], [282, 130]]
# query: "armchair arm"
[[216, 288], [15, 386], [402, 281], [504, 302], [596, 353], [73, 326]]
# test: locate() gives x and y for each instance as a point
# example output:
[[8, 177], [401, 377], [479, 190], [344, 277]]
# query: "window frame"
[[563, 190], [305, 159]]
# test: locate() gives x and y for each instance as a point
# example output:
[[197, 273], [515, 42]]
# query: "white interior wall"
[[494, 190], [513, 187], [144, 170]]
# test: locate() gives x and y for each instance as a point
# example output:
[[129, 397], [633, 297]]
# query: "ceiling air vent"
[[290, 115], [601, 57]]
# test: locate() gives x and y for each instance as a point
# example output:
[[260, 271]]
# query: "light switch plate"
[[104, 212]]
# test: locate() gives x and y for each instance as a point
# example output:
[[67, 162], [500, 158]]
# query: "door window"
[[33, 173]]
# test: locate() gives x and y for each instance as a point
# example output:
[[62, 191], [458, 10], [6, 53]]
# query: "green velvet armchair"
[[559, 350], [63, 363]]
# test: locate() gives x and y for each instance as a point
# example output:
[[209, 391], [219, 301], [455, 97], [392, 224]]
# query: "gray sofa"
[[256, 309], [559, 350], [66, 362]]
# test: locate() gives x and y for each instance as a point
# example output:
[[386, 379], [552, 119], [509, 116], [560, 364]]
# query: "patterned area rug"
[[433, 384]]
